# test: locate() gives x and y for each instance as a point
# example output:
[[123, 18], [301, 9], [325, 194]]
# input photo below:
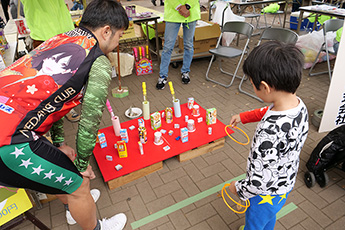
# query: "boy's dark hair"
[[279, 64], [100, 13]]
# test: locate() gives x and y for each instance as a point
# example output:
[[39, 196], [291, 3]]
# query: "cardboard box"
[[160, 27], [199, 46], [184, 134], [204, 16], [205, 36], [156, 122], [122, 149], [129, 33], [143, 64], [211, 116], [139, 33]]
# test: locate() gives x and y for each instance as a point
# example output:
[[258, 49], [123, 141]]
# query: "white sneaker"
[[116, 222], [95, 193]]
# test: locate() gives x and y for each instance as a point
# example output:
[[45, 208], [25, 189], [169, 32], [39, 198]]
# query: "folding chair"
[[331, 25], [252, 15], [279, 34], [277, 13], [275, 34], [239, 28]]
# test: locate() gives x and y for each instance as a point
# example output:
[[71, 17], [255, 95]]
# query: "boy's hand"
[[235, 120], [232, 188]]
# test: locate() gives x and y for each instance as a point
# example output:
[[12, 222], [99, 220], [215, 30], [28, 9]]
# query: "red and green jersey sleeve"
[[92, 109]]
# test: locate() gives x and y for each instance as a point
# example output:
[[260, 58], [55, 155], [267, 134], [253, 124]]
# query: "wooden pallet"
[[117, 182], [213, 145]]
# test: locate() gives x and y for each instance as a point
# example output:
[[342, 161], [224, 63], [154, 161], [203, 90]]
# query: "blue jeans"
[[336, 47], [261, 214], [77, 6], [171, 30]]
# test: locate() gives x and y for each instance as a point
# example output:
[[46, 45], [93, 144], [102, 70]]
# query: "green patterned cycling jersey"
[[91, 113]]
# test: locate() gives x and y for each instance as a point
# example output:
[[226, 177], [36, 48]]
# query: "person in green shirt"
[[177, 13], [46, 19], [38, 90]]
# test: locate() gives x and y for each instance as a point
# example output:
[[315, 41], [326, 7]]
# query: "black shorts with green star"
[[39, 166]]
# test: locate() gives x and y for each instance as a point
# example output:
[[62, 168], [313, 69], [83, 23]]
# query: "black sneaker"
[[161, 82], [154, 2], [185, 78]]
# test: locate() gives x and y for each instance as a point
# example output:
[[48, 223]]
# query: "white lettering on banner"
[[341, 113], [6, 211], [6, 108]]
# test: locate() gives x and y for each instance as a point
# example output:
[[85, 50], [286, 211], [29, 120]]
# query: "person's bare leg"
[[82, 206], [62, 198]]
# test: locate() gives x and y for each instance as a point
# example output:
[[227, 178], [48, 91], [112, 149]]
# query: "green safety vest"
[[338, 34], [172, 15], [47, 18]]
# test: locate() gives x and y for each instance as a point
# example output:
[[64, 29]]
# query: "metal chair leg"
[[209, 67], [329, 66], [280, 21], [315, 61], [274, 18], [234, 75], [266, 26], [217, 82], [245, 92]]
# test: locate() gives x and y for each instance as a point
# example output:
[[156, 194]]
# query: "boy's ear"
[[265, 87]]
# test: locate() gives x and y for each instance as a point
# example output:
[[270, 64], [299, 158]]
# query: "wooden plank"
[[214, 145], [117, 182], [49, 198]]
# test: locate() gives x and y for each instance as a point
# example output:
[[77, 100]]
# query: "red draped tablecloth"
[[153, 153]]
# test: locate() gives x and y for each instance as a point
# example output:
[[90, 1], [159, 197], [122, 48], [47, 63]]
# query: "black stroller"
[[330, 152]]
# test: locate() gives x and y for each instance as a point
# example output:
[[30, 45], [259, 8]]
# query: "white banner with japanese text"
[[334, 111]]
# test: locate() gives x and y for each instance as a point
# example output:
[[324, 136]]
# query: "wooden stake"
[[118, 65], [18, 9]]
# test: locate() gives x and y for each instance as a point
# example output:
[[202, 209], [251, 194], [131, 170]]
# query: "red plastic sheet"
[[153, 153]]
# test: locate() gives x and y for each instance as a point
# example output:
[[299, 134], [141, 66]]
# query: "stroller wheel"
[[322, 179], [309, 179]]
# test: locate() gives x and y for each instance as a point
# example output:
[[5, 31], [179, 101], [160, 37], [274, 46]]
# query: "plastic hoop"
[[234, 138], [246, 206]]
